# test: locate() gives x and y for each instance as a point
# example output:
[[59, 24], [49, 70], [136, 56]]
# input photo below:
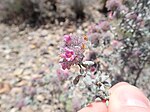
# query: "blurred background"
[[30, 37]]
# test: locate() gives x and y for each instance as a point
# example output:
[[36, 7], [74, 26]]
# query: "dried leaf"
[[81, 71], [76, 80]]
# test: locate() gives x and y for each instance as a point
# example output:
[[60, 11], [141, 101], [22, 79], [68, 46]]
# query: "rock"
[[18, 71], [30, 38], [108, 51], [40, 98], [22, 27], [33, 46], [27, 109], [26, 77], [36, 76], [8, 57], [7, 51], [61, 106], [27, 72], [22, 83], [16, 90], [4, 88], [71, 30], [14, 110], [47, 26], [46, 108], [86, 24], [22, 33], [44, 33]]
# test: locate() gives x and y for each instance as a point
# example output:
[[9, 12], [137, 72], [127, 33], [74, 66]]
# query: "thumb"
[[95, 107], [127, 98]]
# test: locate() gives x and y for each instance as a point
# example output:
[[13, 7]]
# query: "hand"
[[123, 98]]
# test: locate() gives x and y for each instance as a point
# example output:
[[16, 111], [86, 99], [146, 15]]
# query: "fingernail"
[[136, 102], [133, 100]]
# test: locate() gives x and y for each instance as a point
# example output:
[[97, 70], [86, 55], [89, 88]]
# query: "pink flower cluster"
[[72, 50], [102, 26], [116, 6], [97, 31], [113, 4]]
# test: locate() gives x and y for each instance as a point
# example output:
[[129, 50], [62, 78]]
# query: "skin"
[[123, 98]]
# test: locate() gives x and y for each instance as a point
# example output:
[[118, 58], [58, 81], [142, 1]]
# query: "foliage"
[[38, 12], [118, 51]]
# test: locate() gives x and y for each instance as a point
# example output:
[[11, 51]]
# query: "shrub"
[[118, 51], [32, 11]]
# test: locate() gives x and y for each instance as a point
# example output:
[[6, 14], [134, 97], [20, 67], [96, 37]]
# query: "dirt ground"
[[29, 58]]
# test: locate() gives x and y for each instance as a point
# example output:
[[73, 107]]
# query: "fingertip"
[[118, 85], [133, 109], [95, 107], [124, 96]]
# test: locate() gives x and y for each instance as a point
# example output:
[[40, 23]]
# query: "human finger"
[[127, 98], [95, 107]]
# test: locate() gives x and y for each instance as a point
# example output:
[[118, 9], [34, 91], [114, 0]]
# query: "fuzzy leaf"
[[88, 63], [107, 103]]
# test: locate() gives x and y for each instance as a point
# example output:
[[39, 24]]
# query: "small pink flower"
[[69, 54], [67, 39], [110, 15], [72, 51], [65, 65], [113, 4], [92, 69]]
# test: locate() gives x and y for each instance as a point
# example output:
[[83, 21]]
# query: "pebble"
[[70, 30], [4, 88], [86, 24], [21, 83], [46, 108], [27, 109], [26, 77], [27, 72], [18, 71], [33, 46], [30, 38], [16, 90], [14, 110], [44, 33], [40, 98], [108, 51]]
